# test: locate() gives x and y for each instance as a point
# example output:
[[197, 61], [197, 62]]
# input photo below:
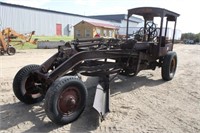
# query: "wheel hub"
[[173, 66], [31, 86], [68, 101]]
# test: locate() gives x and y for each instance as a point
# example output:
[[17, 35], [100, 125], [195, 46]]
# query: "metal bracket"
[[102, 97]]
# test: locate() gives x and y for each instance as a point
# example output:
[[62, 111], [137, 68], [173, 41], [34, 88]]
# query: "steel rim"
[[173, 66], [69, 101], [32, 87]]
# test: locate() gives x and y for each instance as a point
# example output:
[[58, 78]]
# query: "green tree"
[[190, 36], [197, 37]]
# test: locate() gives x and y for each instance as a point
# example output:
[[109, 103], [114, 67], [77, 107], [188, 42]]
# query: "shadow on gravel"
[[89, 120], [122, 84], [32, 118], [20, 116]]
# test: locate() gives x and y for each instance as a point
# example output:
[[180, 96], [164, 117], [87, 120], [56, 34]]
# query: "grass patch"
[[53, 38], [26, 46], [42, 38]]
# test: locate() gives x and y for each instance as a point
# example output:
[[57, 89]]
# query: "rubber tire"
[[167, 73], [1, 52], [11, 50], [19, 85], [52, 97]]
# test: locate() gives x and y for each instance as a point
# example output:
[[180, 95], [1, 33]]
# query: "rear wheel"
[[11, 50], [169, 66], [65, 100], [1, 52], [27, 88]]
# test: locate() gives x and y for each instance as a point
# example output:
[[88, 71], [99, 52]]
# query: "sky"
[[189, 20]]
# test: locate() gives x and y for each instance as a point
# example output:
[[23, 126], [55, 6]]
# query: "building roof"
[[39, 9], [117, 18], [97, 24]]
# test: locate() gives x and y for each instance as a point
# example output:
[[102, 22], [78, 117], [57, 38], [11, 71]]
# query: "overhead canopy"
[[150, 12]]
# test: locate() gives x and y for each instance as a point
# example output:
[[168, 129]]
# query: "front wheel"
[[27, 88], [65, 100], [11, 50], [169, 66]]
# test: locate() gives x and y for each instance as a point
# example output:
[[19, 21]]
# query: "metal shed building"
[[24, 19]]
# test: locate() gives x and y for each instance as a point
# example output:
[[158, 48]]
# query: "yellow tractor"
[[9, 35], [5, 47]]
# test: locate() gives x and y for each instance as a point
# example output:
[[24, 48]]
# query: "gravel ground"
[[141, 104]]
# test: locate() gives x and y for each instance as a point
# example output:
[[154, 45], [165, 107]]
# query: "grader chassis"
[[65, 94]]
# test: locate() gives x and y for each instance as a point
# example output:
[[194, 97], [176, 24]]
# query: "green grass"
[[42, 38], [26, 46], [53, 38]]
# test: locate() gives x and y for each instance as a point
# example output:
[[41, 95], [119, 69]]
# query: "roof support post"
[[174, 33], [144, 37], [161, 27], [166, 27], [127, 27]]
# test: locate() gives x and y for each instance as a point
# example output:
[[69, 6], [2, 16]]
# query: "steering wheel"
[[151, 30], [147, 34], [140, 34]]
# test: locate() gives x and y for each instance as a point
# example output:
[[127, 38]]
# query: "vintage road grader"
[[66, 95], [9, 35]]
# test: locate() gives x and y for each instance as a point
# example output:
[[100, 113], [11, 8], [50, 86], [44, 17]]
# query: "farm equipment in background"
[[5, 47], [65, 94], [8, 36]]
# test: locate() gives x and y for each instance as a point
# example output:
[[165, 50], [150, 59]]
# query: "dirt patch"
[[144, 103]]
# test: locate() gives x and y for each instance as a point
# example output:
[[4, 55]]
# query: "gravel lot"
[[141, 104]]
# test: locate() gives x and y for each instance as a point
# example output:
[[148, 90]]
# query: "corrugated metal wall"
[[25, 20]]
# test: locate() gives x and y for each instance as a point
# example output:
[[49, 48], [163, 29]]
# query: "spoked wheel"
[[27, 88], [151, 30], [169, 66], [11, 50], [65, 100], [151, 27]]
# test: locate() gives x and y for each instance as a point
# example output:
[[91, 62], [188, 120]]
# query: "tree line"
[[191, 36]]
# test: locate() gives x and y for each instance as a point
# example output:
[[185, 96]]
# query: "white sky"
[[189, 20]]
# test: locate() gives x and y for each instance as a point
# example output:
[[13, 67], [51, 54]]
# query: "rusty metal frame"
[[148, 13], [102, 57], [78, 59], [91, 57]]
